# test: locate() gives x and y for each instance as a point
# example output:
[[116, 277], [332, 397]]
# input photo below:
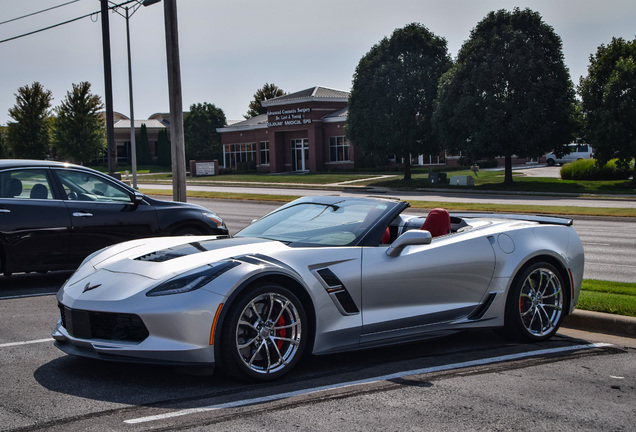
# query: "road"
[[608, 243], [470, 381], [423, 195]]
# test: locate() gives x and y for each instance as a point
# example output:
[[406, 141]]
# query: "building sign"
[[203, 168], [289, 117]]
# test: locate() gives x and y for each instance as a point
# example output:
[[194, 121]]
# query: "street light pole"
[[133, 147]]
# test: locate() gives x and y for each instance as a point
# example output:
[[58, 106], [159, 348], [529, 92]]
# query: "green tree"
[[269, 91], [202, 141], [29, 135], [78, 128], [4, 151], [393, 94], [142, 146], [509, 92], [164, 152], [609, 101]]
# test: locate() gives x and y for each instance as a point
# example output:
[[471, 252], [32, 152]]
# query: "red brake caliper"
[[281, 333]]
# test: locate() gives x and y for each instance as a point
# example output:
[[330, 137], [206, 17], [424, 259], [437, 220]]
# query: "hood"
[[162, 258]]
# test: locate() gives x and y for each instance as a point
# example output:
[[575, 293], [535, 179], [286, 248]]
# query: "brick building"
[[301, 132]]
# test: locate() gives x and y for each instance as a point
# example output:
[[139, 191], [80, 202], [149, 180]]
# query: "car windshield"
[[316, 223]]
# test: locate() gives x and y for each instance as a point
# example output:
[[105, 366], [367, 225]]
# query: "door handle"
[[82, 214], [5, 210]]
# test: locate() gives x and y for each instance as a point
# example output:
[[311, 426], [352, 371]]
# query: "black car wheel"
[[265, 333], [551, 162], [535, 304]]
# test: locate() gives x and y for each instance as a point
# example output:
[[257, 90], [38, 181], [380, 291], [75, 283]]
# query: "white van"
[[576, 152]]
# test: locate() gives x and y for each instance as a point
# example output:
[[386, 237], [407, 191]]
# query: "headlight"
[[215, 219], [192, 280]]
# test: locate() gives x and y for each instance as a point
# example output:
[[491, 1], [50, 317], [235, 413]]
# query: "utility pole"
[[176, 102], [108, 88], [133, 146]]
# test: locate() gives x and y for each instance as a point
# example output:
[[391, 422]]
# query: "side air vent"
[[338, 292], [482, 308], [331, 280]]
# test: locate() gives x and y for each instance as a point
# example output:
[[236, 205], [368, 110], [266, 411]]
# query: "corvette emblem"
[[88, 287]]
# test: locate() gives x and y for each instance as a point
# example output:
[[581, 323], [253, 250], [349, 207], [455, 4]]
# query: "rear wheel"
[[535, 304], [265, 333], [551, 162]]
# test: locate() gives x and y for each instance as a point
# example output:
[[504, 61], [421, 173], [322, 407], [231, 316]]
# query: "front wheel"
[[535, 304], [551, 162], [265, 333]]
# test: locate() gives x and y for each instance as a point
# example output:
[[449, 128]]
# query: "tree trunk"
[[634, 175], [407, 167], [508, 170]]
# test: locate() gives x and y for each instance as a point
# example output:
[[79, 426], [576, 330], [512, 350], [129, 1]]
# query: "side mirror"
[[138, 198], [409, 238]]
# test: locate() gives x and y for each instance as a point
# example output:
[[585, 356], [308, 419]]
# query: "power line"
[[47, 28], [38, 12], [63, 23]]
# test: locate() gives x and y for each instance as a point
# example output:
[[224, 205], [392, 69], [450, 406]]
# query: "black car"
[[54, 214]]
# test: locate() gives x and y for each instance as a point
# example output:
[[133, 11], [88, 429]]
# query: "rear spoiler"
[[542, 219]]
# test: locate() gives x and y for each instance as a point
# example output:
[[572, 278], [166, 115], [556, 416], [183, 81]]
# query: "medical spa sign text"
[[289, 117]]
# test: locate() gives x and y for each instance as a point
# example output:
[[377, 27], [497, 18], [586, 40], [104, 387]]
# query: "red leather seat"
[[386, 237], [437, 222]]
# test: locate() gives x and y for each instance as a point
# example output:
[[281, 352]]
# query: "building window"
[[263, 150], [239, 156], [338, 149]]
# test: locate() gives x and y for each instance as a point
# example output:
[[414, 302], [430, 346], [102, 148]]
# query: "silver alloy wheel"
[[541, 302], [269, 332]]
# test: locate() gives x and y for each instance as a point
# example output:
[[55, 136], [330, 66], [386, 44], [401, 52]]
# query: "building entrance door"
[[300, 154]]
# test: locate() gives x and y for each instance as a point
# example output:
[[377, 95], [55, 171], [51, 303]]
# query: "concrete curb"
[[599, 322]]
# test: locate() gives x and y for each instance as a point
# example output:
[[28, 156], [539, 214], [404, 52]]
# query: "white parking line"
[[10, 344], [26, 296], [397, 375]]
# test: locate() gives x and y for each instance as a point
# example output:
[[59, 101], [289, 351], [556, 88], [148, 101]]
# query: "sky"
[[231, 48]]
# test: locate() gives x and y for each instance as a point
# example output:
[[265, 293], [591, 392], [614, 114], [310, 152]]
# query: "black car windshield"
[[315, 223]]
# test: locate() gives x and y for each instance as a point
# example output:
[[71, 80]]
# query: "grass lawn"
[[609, 297], [484, 180], [493, 180]]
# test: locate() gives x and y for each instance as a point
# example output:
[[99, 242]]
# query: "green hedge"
[[589, 169]]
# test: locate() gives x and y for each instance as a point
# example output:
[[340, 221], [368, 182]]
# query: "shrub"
[[589, 169]]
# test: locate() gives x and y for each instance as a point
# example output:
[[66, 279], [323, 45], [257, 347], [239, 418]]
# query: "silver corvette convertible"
[[320, 275]]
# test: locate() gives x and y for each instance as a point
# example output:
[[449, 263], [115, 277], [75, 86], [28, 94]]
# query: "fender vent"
[[482, 308], [338, 292]]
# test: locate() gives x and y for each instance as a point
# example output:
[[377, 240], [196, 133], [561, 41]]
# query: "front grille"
[[103, 325]]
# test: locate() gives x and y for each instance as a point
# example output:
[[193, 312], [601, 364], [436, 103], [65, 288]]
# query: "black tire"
[[536, 303], [551, 162], [264, 334]]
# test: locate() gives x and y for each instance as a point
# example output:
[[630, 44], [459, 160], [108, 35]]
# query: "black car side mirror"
[[409, 238], [138, 198]]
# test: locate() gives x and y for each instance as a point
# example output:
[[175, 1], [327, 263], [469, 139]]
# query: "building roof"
[[320, 94], [258, 122], [337, 116], [150, 124]]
